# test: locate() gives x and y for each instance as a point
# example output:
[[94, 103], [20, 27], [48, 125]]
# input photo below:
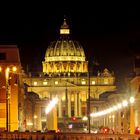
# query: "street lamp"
[[132, 125], [88, 103], [7, 99], [52, 114], [7, 86]]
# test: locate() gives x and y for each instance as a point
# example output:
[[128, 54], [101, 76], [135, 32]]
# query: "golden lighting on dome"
[[64, 31]]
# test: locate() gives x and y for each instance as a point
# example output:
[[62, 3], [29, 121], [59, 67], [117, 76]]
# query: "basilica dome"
[[65, 55], [65, 50]]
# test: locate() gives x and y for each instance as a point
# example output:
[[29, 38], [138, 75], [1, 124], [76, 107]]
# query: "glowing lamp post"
[[52, 114], [51, 105], [132, 126]]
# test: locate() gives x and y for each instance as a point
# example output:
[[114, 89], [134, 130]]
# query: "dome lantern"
[[64, 30]]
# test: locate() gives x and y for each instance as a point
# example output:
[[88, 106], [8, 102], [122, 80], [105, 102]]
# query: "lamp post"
[[7, 99], [52, 114], [132, 125], [88, 103]]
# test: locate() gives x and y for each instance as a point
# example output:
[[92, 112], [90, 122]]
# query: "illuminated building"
[[10, 68], [135, 91], [65, 75]]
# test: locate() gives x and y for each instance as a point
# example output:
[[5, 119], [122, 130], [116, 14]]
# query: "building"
[[10, 69], [83, 100], [135, 91], [120, 111], [65, 75]]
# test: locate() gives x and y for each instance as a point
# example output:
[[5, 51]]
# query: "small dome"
[[65, 50]]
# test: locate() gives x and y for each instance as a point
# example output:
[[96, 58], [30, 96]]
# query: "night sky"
[[109, 33]]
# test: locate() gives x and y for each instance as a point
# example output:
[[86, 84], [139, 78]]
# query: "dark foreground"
[[64, 136]]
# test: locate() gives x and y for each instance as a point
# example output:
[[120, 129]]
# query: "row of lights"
[[56, 83], [83, 82], [45, 83], [14, 69], [114, 108]]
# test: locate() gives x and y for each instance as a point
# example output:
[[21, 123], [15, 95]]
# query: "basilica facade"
[[65, 75], [83, 101]]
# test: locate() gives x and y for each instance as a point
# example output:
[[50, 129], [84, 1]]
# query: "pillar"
[[79, 102], [132, 125], [52, 119], [75, 104], [118, 122], [38, 120], [69, 105], [60, 108], [125, 126]]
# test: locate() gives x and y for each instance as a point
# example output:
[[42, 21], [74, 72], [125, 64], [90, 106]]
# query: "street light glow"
[[7, 69], [114, 108], [51, 105], [132, 100], [124, 103], [85, 118], [119, 106], [14, 69]]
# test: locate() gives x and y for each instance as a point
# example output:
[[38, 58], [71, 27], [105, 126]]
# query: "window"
[[93, 82], [2, 56]]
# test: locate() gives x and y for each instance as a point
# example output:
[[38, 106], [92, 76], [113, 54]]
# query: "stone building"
[[10, 69], [65, 75]]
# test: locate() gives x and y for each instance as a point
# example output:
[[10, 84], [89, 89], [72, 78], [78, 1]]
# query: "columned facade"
[[65, 73]]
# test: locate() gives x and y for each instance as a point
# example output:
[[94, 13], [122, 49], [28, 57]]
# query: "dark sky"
[[108, 32]]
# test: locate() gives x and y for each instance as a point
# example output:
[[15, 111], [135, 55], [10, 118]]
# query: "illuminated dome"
[[65, 50], [64, 55]]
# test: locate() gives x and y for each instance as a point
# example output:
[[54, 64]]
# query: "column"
[[52, 119], [104, 119], [38, 121], [110, 120], [79, 102], [75, 104], [119, 127], [132, 124], [66, 102], [125, 126], [60, 108], [69, 105], [106, 122]]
